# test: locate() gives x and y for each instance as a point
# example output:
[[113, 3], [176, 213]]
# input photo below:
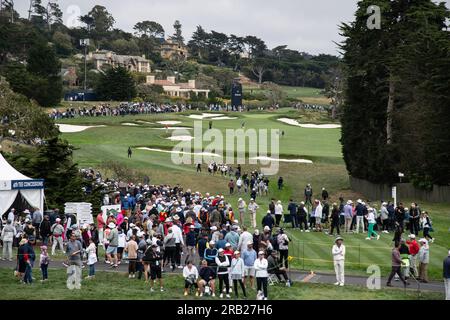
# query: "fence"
[[307, 255], [404, 191]]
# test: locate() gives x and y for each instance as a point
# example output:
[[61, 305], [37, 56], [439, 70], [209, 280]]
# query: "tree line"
[[397, 93]]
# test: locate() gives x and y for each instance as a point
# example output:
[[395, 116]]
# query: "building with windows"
[[131, 63], [181, 89], [171, 50]]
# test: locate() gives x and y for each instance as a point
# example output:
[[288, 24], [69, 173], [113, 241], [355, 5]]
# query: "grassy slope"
[[115, 286], [305, 94], [320, 145]]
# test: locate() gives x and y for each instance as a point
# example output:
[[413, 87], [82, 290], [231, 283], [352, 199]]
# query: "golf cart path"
[[295, 275]]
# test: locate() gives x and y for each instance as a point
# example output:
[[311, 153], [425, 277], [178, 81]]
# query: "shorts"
[[111, 250], [120, 250], [318, 220], [249, 272], [155, 272]]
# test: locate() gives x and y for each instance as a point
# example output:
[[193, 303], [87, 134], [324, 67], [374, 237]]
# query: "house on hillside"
[[171, 49], [181, 89], [131, 63]]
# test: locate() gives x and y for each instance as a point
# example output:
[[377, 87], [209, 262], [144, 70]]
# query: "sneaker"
[[152, 290], [221, 295], [201, 294], [336, 283], [432, 240], [130, 276], [228, 296], [341, 284], [288, 284], [196, 294], [367, 238], [180, 267], [378, 237], [185, 293], [107, 262], [134, 276], [213, 294], [162, 289]]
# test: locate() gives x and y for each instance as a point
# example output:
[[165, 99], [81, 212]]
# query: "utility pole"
[[85, 43]]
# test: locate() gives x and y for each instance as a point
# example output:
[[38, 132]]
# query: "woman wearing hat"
[[238, 273], [260, 266], [338, 252], [223, 262]]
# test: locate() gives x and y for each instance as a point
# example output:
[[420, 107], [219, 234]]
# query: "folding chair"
[[272, 279]]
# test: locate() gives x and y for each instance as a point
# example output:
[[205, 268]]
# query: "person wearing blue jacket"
[[211, 254]]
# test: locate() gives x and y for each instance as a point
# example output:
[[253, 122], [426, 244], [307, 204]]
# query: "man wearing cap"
[[179, 242], [57, 231], [241, 209], [338, 252], [191, 242], [302, 217], [359, 215], [292, 208], [113, 238], [261, 274], [446, 273], [232, 237], [348, 215], [252, 207], [154, 260], [413, 251], [249, 256]]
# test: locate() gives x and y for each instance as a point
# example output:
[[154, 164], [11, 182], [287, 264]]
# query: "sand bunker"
[[180, 138], [180, 152], [70, 128], [144, 122], [282, 160], [293, 122], [224, 118], [169, 122], [173, 128], [204, 115], [129, 124]]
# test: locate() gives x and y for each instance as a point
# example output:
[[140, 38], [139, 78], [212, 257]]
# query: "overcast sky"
[[304, 25]]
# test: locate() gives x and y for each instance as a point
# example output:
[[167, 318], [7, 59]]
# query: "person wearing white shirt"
[[252, 207], [223, 263], [278, 212], [11, 216], [244, 239], [318, 215], [179, 243], [371, 222], [237, 273], [190, 275], [260, 266], [338, 252]]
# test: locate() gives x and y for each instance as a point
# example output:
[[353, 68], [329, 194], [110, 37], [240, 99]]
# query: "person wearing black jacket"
[[335, 215], [400, 215], [414, 216], [207, 276], [44, 230], [302, 217], [268, 220], [154, 258]]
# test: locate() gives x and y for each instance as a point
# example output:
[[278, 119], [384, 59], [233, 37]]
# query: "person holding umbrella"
[[338, 252]]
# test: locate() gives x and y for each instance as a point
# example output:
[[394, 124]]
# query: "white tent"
[[12, 182]]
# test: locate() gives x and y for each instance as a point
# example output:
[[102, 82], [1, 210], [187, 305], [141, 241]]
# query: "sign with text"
[[27, 184], [83, 210]]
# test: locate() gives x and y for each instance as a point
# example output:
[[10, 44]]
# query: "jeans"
[[284, 256], [359, 221], [396, 270], [294, 221], [414, 226], [235, 287], [28, 276], [7, 249], [92, 270], [348, 224], [44, 270], [261, 284]]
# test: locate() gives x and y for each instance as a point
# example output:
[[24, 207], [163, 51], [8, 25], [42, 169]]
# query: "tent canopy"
[[8, 193]]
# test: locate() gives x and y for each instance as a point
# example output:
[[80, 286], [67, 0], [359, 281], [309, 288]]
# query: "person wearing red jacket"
[[413, 251]]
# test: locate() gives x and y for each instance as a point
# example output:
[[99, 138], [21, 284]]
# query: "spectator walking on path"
[[424, 260], [57, 232], [338, 252], [413, 252], [396, 265]]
